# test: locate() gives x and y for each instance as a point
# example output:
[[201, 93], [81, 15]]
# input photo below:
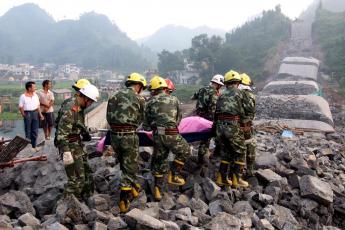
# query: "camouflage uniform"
[[228, 131], [205, 107], [70, 126], [125, 112], [162, 114], [249, 109]]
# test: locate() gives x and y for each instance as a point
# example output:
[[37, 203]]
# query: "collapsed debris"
[[291, 88], [302, 107], [299, 184]]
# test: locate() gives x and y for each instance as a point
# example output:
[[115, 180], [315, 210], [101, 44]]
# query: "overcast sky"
[[140, 18]]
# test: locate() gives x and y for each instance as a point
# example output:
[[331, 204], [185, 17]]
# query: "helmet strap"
[[141, 89]]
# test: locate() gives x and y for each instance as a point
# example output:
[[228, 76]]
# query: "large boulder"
[[198, 205], [268, 175], [15, 203], [266, 160], [99, 202], [28, 219], [136, 219], [36, 178], [242, 206], [279, 216], [211, 189], [5, 223], [116, 223], [69, 210], [55, 226], [224, 221], [316, 189], [45, 203]]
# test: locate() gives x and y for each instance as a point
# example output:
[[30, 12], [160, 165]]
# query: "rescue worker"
[[229, 112], [70, 128], [81, 83], [247, 122], [125, 113], [205, 107], [162, 116], [171, 86]]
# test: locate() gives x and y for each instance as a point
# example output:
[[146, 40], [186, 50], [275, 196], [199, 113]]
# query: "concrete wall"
[[97, 117]]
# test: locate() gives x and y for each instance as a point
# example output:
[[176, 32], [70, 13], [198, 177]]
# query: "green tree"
[[246, 49], [168, 61], [329, 31], [203, 54]]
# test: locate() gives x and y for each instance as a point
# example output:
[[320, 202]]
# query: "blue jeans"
[[31, 124]]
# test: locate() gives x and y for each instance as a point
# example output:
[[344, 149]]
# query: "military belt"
[[73, 138], [166, 131], [228, 117], [123, 128]]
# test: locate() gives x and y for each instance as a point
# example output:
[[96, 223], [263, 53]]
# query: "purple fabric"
[[101, 145], [191, 128]]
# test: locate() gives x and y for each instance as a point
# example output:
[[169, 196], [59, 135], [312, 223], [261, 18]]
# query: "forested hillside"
[[329, 32], [29, 34], [245, 49]]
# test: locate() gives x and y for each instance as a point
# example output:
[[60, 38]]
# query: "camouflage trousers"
[[79, 174], [204, 146], [126, 145], [162, 144], [250, 144], [231, 138]]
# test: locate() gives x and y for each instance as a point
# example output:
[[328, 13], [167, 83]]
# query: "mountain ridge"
[[176, 37], [30, 34]]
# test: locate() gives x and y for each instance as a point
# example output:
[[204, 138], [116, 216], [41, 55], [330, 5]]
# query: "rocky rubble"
[[292, 89], [276, 108], [299, 184]]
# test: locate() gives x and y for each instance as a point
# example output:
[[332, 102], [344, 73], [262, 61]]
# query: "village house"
[[62, 94]]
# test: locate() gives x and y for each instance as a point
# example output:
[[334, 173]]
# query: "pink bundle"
[[194, 124], [101, 145]]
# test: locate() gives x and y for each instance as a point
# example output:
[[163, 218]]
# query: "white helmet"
[[91, 92], [218, 79]]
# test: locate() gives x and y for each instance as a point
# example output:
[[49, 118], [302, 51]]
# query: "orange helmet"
[[170, 84]]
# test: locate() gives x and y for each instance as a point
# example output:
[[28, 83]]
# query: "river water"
[[11, 129]]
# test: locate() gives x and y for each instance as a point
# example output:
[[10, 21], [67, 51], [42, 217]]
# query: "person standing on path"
[[29, 107], [47, 101]]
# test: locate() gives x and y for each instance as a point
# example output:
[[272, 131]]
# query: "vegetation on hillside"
[[245, 49], [329, 31], [29, 34], [185, 92], [9, 116]]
